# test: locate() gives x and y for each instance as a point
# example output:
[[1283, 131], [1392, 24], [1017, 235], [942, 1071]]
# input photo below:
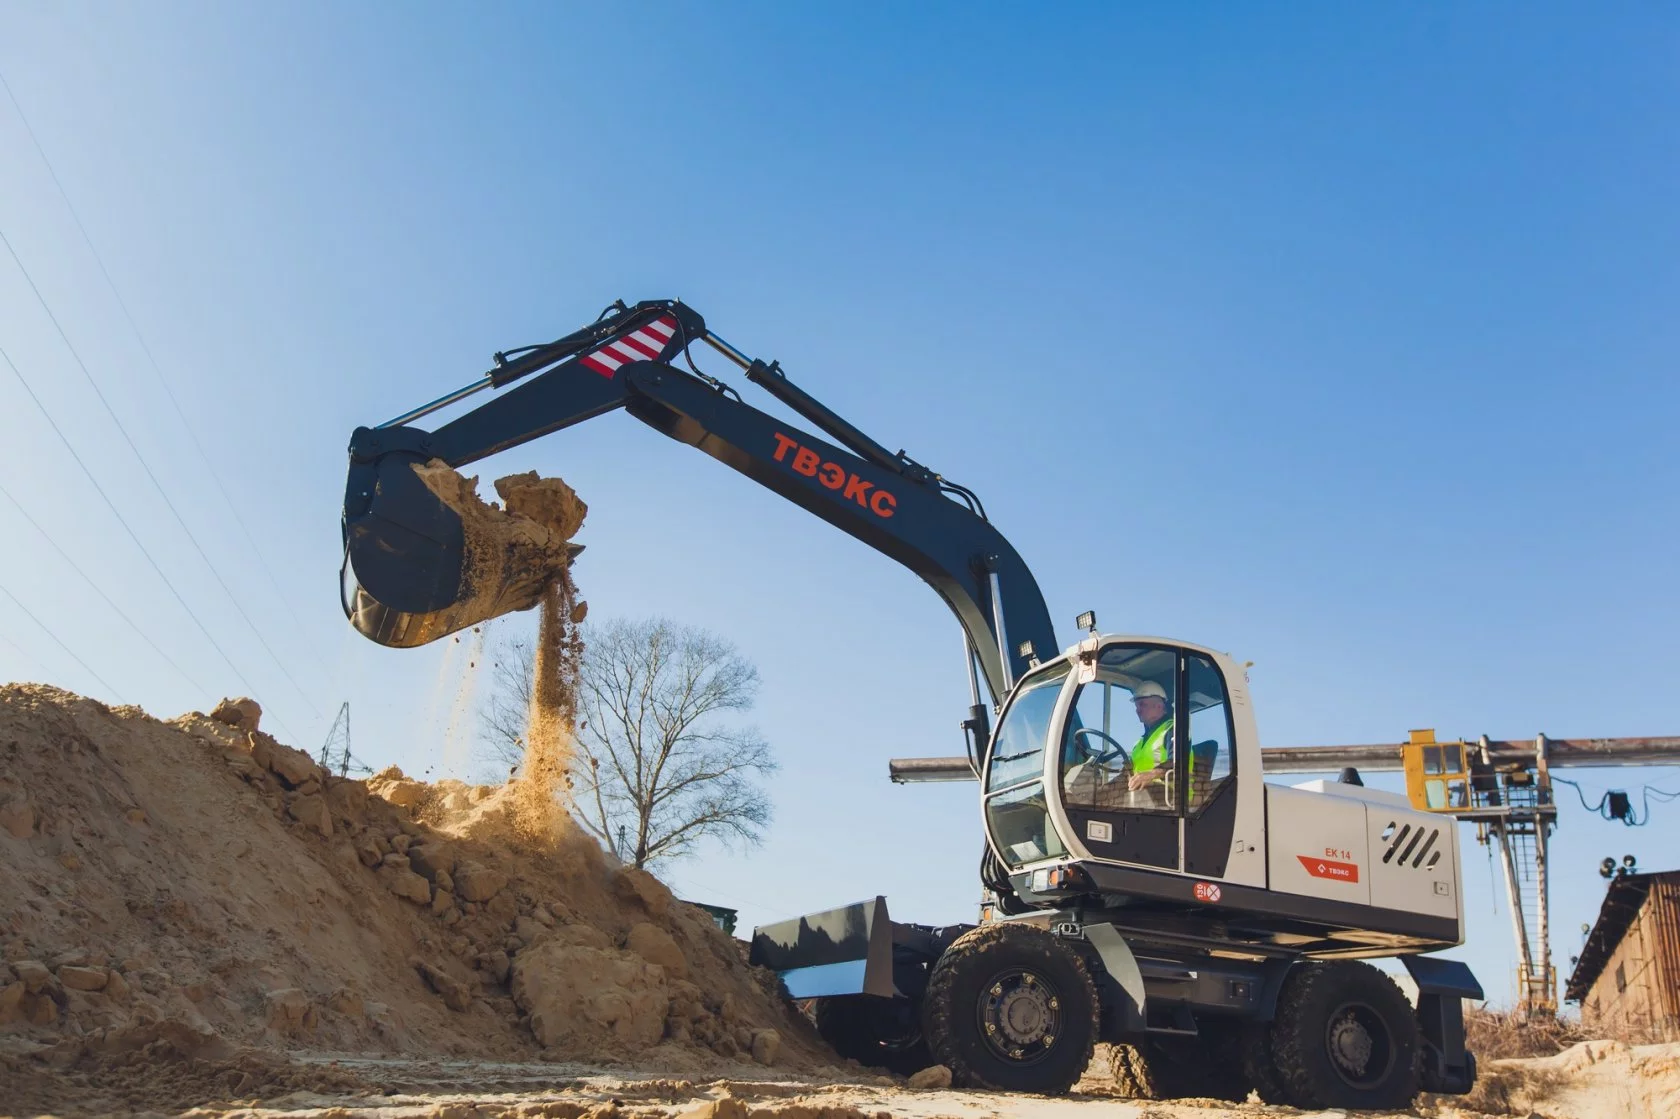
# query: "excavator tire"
[[1259, 1066], [1178, 1069], [1010, 1008], [881, 1033], [1345, 1037]]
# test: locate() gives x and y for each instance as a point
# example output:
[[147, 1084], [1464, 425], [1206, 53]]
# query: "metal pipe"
[[728, 351], [1542, 828], [441, 402], [1002, 637], [973, 673]]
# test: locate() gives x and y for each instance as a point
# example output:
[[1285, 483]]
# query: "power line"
[[24, 513], [131, 533], [48, 631], [24, 653], [144, 465], [157, 370]]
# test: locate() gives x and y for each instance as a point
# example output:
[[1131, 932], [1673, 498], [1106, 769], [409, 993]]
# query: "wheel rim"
[[1359, 1045], [1020, 1015]]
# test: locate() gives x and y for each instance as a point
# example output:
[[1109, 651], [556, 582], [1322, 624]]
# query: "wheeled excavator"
[[1142, 885]]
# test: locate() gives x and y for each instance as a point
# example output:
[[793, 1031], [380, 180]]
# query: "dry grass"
[[1494, 1035], [1509, 1090]]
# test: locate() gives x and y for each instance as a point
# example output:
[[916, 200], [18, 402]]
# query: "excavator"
[[1141, 884]]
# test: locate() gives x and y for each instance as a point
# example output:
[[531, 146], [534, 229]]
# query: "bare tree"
[[658, 766], [506, 715], [653, 754]]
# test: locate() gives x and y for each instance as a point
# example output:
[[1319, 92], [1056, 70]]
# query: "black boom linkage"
[[888, 501]]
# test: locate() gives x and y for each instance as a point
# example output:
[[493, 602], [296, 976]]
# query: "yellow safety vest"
[[1152, 749]]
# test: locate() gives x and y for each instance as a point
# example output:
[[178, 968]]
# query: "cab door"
[[1146, 760], [1119, 788]]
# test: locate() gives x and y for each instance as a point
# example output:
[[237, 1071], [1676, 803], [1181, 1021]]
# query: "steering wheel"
[[1106, 752]]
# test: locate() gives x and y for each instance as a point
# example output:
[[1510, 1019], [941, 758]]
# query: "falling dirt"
[[542, 784]]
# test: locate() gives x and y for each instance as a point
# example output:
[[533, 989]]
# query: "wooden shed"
[[1627, 978]]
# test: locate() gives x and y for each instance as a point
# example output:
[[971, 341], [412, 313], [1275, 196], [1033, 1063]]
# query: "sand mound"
[[198, 874]]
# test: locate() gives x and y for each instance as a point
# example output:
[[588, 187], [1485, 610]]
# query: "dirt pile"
[[199, 874]]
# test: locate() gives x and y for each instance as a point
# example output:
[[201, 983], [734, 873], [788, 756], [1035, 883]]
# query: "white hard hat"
[[1149, 690]]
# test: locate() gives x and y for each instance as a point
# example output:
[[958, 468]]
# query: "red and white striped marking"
[[644, 344]]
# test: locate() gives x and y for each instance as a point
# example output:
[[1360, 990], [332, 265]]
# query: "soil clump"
[[200, 888]]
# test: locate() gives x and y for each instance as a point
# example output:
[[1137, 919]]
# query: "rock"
[[347, 800], [396, 861], [346, 1002], [294, 767], [406, 884], [390, 785], [575, 995], [117, 989], [77, 956], [11, 1002], [528, 930], [261, 747], [309, 788], [728, 1107], [431, 859], [368, 851], [311, 811], [542, 916], [39, 1010], [478, 883], [502, 907], [442, 902], [655, 945], [289, 1010], [585, 936], [642, 887], [401, 842], [934, 1076], [456, 994], [83, 978], [444, 881], [34, 974], [725, 1047], [70, 861], [243, 713], [17, 818], [765, 1045], [497, 964]]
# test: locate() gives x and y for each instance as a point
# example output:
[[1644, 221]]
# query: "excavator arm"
[[405, 551]]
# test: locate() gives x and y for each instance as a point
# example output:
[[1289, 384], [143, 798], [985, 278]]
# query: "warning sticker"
[[1206, 891], [1320, 867]]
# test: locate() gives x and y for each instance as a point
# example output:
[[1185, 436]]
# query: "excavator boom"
[[406, 554]]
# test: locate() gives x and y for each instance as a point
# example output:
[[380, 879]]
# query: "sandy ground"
[[1595, 1080]]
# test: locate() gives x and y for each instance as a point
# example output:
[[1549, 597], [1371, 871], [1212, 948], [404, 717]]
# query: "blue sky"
[[1340, 339]]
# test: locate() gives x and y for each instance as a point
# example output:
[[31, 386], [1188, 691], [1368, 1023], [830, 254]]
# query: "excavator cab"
[[1120, 751]]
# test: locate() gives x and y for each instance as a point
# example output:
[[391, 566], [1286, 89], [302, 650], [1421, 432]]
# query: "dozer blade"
[[412, 571]]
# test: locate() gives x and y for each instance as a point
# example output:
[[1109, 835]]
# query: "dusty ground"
[[1597, 1080]]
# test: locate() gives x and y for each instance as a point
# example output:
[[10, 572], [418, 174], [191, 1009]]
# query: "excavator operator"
[[1152, 755]]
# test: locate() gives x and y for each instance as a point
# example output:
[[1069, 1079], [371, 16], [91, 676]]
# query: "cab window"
[[1212, 760], [1117, 752], [1017, 814], [1018, 746]]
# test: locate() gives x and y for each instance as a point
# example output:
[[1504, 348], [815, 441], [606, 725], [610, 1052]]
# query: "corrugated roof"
[[1622, 902]]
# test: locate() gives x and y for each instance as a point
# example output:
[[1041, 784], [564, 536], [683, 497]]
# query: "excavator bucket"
[[414, 570], [404, 555]]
